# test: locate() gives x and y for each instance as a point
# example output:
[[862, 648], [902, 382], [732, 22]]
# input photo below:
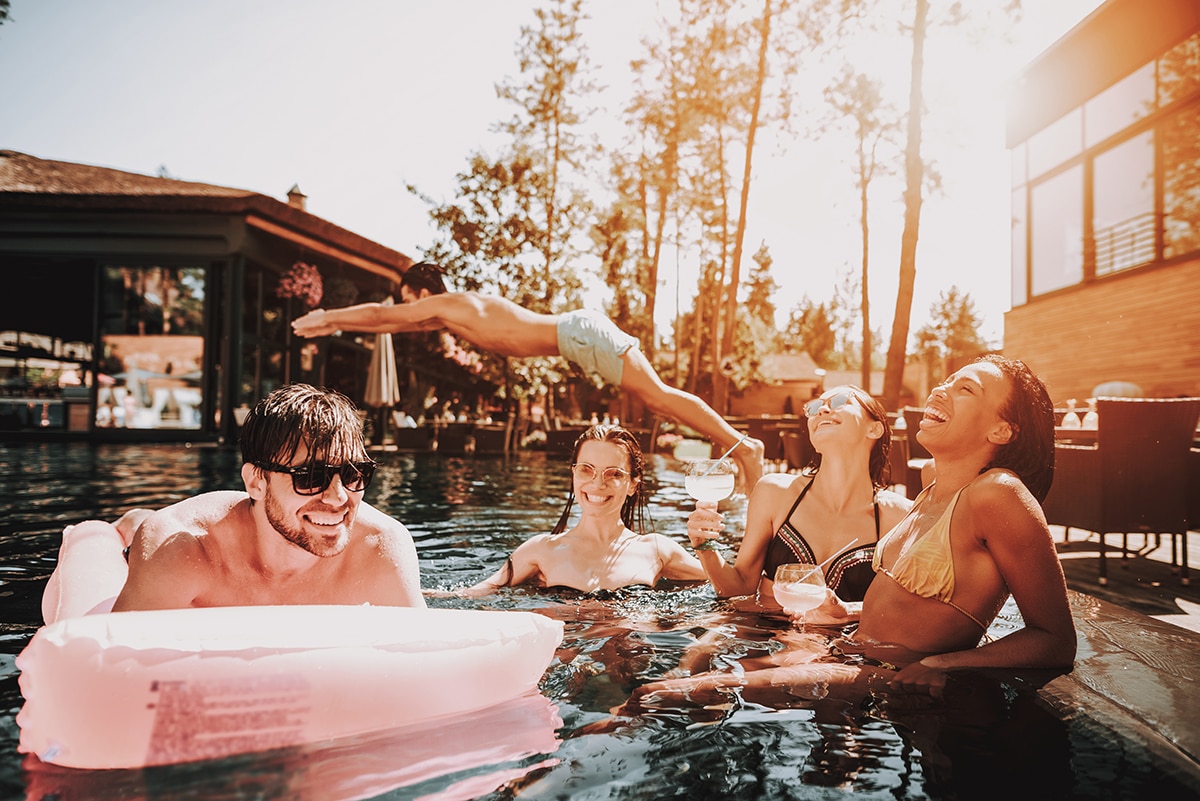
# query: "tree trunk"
[[660, 226], [893, 377], [720, 380], [866, 298]]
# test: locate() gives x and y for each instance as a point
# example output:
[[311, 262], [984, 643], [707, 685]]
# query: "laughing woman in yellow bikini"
[[974, 536]]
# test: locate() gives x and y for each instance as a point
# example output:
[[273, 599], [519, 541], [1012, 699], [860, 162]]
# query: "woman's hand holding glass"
[[799, 588], [709, 481], [705, 526]]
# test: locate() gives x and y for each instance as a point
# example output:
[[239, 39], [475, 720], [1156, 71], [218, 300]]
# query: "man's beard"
[[291, 530]]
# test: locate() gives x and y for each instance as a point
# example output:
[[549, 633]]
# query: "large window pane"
[[1181, 183], [1056, 143], [1123, 205], [1020, 228], [1057, 231], [1119, 106], [265, 328], [47, 326], [152, 334]]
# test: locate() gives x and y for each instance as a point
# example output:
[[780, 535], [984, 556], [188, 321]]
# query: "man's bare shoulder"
[[379, 535], [197, 515], [372, 522]]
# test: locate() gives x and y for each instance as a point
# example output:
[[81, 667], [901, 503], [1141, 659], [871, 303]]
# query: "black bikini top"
[[848, 574]]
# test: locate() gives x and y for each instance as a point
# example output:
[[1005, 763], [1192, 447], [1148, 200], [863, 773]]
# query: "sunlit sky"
[[353, 100]]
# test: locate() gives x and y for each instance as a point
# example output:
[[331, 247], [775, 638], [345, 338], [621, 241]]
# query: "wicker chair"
[[1194, 490], [919, 459], [1135, 480], [797, 448]]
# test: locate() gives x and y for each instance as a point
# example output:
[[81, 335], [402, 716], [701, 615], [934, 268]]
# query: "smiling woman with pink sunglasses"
[[609, 547]]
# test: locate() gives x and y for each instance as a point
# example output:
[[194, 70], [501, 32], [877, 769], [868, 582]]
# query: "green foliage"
[[615, 237], [951, 337], [510, 228], [717, 72], [810, 329], [554, 82], [760, 287]]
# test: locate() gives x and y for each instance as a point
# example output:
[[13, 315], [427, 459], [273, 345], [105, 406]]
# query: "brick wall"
[[1142, 326]]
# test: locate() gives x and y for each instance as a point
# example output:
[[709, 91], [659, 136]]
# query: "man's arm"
[[405, 587], [163, 577], [369, 317]]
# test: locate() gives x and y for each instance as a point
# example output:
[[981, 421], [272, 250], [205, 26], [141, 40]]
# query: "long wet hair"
[[879, 467], [633, 511], [424, 275], [1030, 413], [294, 414]]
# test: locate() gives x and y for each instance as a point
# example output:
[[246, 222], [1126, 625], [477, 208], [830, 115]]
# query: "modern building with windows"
[[146, 308], [1104, 133]]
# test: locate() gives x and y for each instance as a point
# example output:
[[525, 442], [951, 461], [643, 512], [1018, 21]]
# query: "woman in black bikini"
[[833, 512]]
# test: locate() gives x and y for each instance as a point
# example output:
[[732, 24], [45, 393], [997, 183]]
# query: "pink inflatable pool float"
[[130, 689]]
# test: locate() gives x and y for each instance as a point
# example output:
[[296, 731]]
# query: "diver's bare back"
[[492, 323]]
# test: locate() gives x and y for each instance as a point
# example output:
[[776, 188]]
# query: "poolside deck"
[[1134, 675], [1144, 583]]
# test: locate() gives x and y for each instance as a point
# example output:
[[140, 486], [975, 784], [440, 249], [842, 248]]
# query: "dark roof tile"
[[27, 174], [28, 182]]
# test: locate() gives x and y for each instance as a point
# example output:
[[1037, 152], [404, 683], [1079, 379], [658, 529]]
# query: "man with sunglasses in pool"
[[299, 533]]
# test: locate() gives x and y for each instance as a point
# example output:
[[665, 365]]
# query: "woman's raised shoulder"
[[775, 483], [892, 501], [997, 490]]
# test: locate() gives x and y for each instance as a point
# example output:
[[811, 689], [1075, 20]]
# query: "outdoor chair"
[[773, 432], [797, 448], [897, 459], [918, 457], [1194, 490], [1136, 478]]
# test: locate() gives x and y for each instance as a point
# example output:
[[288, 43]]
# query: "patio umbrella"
[[383, 386], [1117, 389]]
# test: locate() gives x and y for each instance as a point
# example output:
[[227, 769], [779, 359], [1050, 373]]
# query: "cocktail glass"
[[799, 588]]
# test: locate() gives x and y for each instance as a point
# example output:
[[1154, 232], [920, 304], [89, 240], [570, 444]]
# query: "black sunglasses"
[[314, 478]]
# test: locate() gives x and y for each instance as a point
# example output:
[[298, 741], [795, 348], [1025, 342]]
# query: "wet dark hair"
[[1030, 412], [424, 275], [294, 414], [633, 511], [880, 467]]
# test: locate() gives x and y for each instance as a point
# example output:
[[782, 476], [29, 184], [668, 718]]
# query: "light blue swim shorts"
[[592, 341]]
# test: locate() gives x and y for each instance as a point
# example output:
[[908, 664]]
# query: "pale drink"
[[799, 597], [712, 487]]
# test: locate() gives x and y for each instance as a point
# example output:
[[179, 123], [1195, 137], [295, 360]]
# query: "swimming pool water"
[[467, 514]]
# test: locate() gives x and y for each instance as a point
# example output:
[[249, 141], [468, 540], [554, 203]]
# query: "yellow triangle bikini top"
[[925, 565]]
